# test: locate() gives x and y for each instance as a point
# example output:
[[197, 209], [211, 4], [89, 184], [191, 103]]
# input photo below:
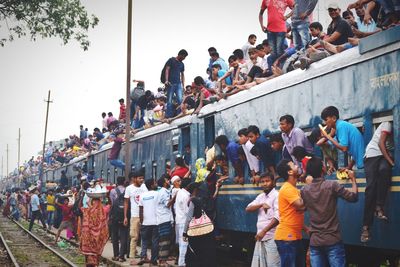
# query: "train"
[[363, 82]]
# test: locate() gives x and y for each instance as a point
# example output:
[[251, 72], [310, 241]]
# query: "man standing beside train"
[[320, 199]]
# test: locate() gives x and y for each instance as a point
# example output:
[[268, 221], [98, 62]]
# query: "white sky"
[[83, 84]]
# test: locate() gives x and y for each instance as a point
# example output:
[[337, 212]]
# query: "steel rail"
[[70, 263], [14, 261]]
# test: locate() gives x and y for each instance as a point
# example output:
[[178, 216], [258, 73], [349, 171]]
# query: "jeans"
[[378, 173], [322, 255], [149, 233], [301, 34], [276, 40], [117, 163], [119, 236], [139, 121], [50, 218], [173, 89], [291, 253], [36, 215]]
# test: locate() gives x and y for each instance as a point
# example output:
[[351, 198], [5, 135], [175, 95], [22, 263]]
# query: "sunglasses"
[[331, 9]]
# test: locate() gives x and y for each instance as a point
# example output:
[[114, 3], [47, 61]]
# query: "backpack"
[[117, 209], [162, 77], [137, 92]]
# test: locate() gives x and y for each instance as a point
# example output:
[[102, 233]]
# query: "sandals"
[[365, 236], [381, 215]]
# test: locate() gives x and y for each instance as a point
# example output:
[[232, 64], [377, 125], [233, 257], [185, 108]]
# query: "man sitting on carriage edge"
[[348, 137]]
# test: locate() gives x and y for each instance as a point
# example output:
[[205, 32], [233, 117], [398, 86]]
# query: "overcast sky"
[[83, 84]]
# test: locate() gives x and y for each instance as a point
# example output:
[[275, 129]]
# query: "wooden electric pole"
[[45, 134], [19, 148], [128, 95]]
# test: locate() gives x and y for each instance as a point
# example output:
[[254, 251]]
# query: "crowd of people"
[[288, 46], [174, 215]]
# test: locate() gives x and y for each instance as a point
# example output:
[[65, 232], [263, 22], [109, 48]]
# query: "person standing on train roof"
[[266, 204], [378, 164], [122, 110], [300, 22], [114, 153], [230, 149], [263, 148], [320, 199], [174, 80], [288, 236], [276, 25], [132, 194], [348, 137]]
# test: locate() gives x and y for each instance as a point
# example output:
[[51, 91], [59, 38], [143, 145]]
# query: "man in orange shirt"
[[291, 212]]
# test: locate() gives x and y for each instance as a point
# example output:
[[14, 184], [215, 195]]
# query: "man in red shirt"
[[122, 110], [67, 218], [276, 24]]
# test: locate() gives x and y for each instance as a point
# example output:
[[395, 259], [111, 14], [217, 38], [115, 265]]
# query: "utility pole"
[[19, 148], [45, 134], [7, 162], [128, 95]]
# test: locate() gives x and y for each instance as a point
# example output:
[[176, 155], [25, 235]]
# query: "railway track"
[[25, 248]]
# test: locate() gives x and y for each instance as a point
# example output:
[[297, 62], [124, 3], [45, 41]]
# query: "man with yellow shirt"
[[291, 212], [51, 200]]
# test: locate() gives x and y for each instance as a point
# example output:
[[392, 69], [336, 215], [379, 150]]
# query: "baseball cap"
[[333, 6]]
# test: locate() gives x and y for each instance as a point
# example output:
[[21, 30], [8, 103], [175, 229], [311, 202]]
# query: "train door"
[[209, 131], [185, 145]]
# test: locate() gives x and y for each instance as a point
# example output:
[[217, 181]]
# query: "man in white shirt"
[[132, 193], [148, 219], [251, 41], [104, 121], [164, 217], [35, 208], [181, 213], [378, 165]]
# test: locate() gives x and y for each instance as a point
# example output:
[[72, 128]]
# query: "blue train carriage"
[[363, 83]]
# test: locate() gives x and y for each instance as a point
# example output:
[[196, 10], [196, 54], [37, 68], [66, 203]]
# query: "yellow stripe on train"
[[256, 192]]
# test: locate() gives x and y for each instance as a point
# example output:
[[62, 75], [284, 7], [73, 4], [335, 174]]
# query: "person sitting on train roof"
[[202, 95], [234, 73], [348, 138], [320, 200], [251, 40], [252, 161], [216, 59], [288, 234], [230, 149], [242, 63], [378, 162], [110, 119], [266, 205], [141, 106], [216, 74], [338, 30], [293, 136], [263, 148]]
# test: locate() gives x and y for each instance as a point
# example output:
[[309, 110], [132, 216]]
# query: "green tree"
[[66, 19]]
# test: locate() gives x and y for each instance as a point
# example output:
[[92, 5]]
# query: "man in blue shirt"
[[230, 149], [175, 80], [348, 137], [35, 208]]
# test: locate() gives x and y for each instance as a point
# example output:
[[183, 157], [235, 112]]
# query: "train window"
[[101, 173], [143, 167], [378, 118], [154, 169], [108, 175], [209, 131], [359, 123], [133, 167]]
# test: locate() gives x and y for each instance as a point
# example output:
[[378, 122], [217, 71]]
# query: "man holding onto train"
[[378, 172], [266, 204], [320, 199], [348, 137]]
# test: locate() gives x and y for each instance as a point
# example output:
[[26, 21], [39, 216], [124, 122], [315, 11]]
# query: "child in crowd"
[[67, 217]]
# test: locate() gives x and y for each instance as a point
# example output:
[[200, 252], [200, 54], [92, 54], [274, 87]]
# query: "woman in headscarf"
[[201, 249], [94, 232], [202, 171]]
